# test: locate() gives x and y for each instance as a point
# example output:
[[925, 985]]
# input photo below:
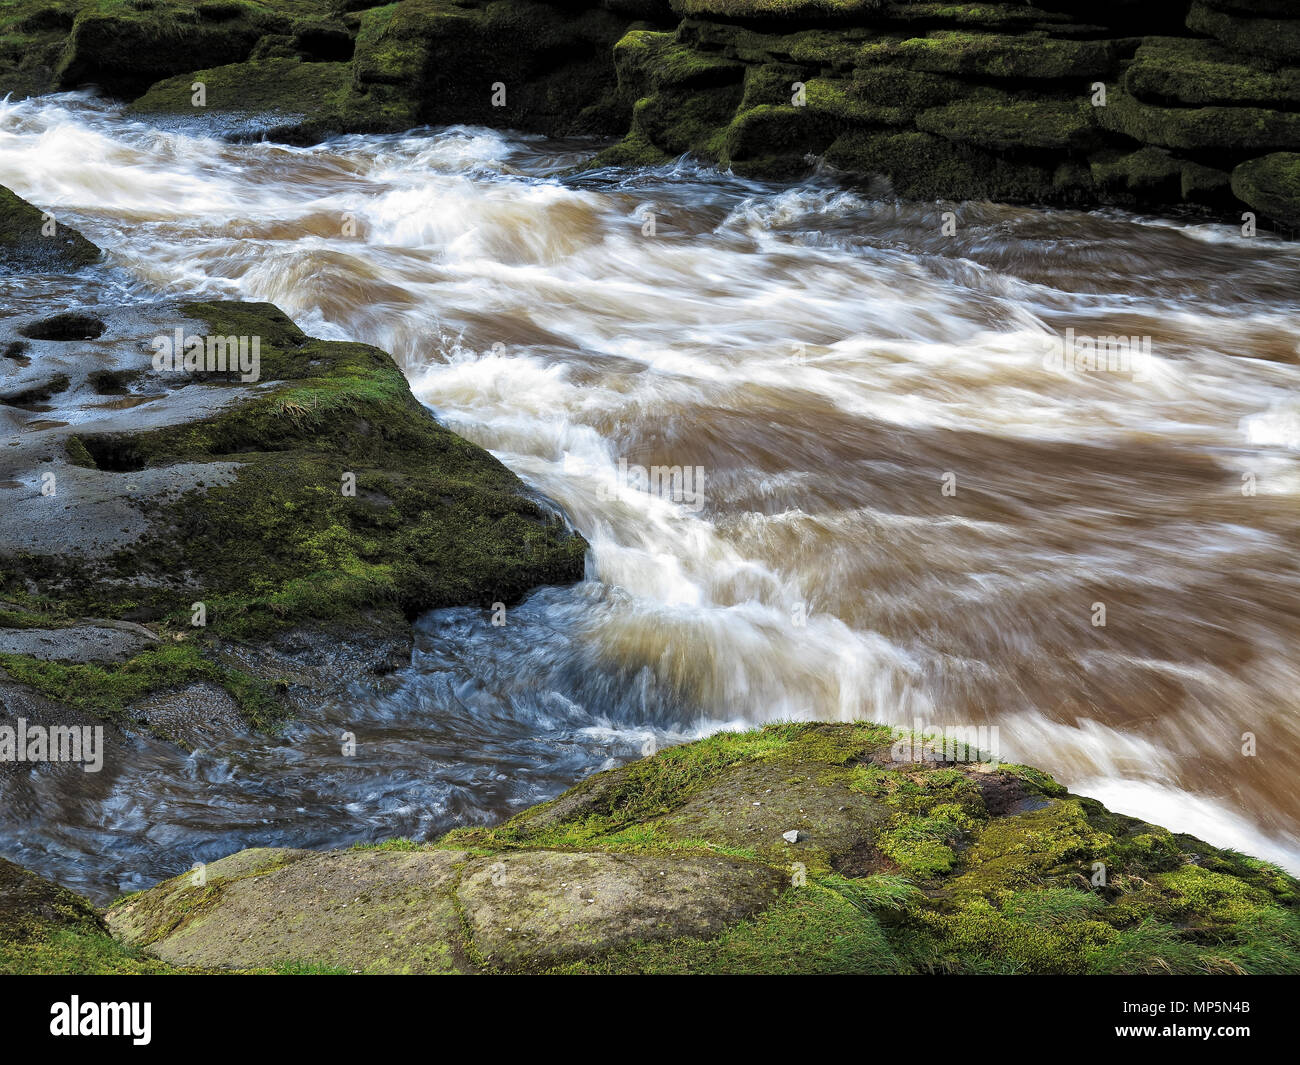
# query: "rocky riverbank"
[[211, 517], [1173, 103], [801, 848]]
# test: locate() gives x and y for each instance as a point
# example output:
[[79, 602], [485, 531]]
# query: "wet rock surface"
[[903, 867], [192, 540]]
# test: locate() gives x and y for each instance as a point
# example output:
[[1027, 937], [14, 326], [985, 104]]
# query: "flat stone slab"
[[372, 911], [534, 909], [106, 642], [433, 910]]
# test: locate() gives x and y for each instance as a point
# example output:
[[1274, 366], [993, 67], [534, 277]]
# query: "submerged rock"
[[670, 864]]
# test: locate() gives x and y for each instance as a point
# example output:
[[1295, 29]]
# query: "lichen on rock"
[[681, 863]]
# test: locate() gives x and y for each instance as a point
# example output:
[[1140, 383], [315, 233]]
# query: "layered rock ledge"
[[1126, 102], [233, 534], [683, 863]]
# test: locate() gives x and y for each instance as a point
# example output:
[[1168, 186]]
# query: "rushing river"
[[831, 362]]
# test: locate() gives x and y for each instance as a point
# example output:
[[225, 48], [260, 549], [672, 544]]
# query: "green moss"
[[923, 166], [647, 60], [931, 816], [67, 953], [318, 98], [107, 690], [1057, 843], [773, 142], [812, 10], [1148, 172], [1007, 125], [24, 246], [124, 47], [350, 508], [1271, 185], [609, 802], [1277, 39], [812, 929], [634, 150], [678, 122], [446, 57], [1179, 70], [993, 56], [48, 930], [1003, 878], [1200, 128], [32, 35]]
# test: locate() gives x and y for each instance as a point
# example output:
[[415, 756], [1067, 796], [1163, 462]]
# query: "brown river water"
[[827, 361]]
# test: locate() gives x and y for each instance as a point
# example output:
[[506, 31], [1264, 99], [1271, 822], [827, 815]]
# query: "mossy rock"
[[451, 59], [47, 930], [25, 246], [647, 61], [682, 863], [776, 142], [923, 166], [1008, 125], [1178, 70], [1154, 175], [693, 121], [841, 99], [325, 496], [1272, 38], [32, 38], [773, 10], [1278, 8], [124, 47], [814, 50], [913, 91], [1233, 129], [283, 98], [1271, 185], [1004, 17], [1029, 58]]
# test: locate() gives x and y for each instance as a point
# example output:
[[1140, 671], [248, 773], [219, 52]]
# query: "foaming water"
[[829, 361]]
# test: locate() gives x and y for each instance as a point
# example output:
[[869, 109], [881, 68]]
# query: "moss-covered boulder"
[[1030, 57], [48, 930], [807, 848], [1004, 125], [1186, 71], [784, 10], [33, 34], [1272, 38], [504, 63], [280, 97], [1200, 129], [1271, 185], [33, 240], [273, 484], [124, 45], [924, 166]]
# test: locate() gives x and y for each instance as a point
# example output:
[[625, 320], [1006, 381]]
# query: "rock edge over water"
[[678, 864], [192, 528]]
